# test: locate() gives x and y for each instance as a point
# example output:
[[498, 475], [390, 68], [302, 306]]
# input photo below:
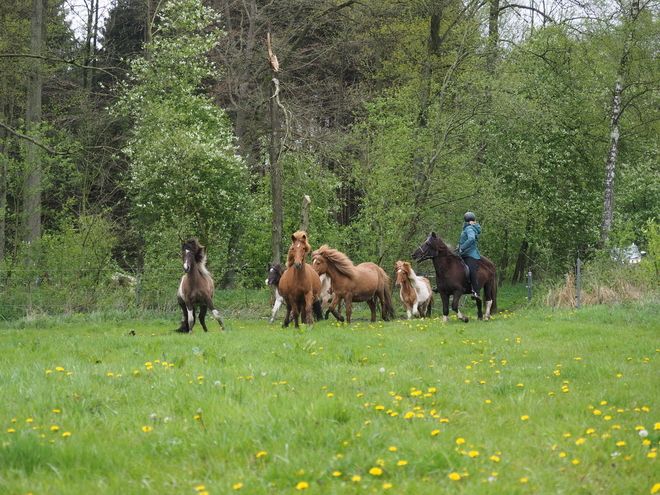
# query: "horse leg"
[[454, 306], [276, 306], [309, 311], [480, 314], [489, 304], [415, 309], [372, 307], [190, 309], [445, 307], [349, 307], [287, 318], [183, 327], [202, 314], [336, 300], [216, 315]]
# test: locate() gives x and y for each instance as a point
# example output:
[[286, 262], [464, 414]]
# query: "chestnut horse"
[[365, 282], [196, 287], [452, 277], [415, 291], [300, 285]]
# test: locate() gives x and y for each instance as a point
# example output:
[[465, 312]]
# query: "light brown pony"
[[415, 291], [366, 282], [300, 285], [196, 287]]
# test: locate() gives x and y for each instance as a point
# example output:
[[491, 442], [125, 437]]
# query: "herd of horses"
[[332, 279]]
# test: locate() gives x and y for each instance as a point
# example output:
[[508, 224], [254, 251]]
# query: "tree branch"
[[41, 145], [56, 59], [516, 6]]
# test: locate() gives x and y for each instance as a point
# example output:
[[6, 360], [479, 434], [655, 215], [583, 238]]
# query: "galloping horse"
[[196, 287], [452, 278], [300, 285], [366, 282], [415, 291], [275, 272]]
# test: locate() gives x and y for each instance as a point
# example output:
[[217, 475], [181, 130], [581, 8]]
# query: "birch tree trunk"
[[32, 184], [275, 165], [610, 164]]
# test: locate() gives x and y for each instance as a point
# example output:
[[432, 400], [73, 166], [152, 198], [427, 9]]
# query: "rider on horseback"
[[468, 248]]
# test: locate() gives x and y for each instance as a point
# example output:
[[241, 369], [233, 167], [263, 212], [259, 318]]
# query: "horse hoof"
[[466, 319]]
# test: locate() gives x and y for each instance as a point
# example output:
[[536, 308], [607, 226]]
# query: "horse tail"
[[318, 312], [388, 310]]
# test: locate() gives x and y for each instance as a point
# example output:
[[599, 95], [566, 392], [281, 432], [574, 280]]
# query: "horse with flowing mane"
[[366, 282], [415, 291], [300, 285], [452, 277], [196, 287]]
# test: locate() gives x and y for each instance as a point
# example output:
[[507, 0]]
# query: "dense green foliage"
[[550, 402], [395, 119]]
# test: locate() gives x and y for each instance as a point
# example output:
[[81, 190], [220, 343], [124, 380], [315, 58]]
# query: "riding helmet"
[[469, 216]]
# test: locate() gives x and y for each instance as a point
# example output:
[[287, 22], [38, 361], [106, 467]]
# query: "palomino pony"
[[452, 277], [196, 287], [300, 285], [415, 291], [366, 282]]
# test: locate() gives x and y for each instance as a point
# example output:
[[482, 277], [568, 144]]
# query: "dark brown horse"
[[452, 278], [366, 282], [196, 287], [300, 285]]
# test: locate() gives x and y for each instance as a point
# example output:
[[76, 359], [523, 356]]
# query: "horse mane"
[[200, 255], [339, 260], [298, 236], [441, 244]]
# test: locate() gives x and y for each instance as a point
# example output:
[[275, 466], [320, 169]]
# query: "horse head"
[[402, 271], [298, 250], [428, 249], [319, 263], [193, 254], [275, 272]]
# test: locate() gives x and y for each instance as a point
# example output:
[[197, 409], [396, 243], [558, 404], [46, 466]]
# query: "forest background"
[[125, 127]]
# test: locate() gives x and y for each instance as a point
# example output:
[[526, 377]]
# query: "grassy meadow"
[[534, 401]]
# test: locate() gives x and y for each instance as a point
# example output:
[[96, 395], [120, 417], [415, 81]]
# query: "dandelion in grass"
[[460, 441], [620, 444], [524, 417], [402, 463], [473, 453], [454, 476], [302, 485], [356, 478], [435, 432], [495, 458], [147, 429], [336, 473], [11, 430], [392, 449], [237, 486], [260, 454], [524, 480], [59, 368], [387, 486], [375, 471], [655, 489], [66, 434], [652, 455], [54, 428], [200, 488]]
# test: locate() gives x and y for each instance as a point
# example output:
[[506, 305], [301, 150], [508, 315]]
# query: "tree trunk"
[[275, 167], [32, 185], [4, 159], [610, 165]]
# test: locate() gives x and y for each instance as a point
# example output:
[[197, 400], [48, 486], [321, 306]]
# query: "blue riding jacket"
[[468, 244]]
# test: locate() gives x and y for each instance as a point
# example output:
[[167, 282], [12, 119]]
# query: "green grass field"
[[534, 401]]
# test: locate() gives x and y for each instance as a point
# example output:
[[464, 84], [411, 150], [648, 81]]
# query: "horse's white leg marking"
[[445, 319], [191, 319], [460, 315], [489, 304], [278, 302], [409, 313], [415, 309]]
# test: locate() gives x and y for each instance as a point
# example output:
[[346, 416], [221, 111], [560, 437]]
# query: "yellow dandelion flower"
[[147, 428], [387, 485], [402, 463], [524, 418], [454, 476], [393, 449], [200, 488], [435, 432], [302, 485], [652, 455], [260, 454], [656, 426], [356, 478], [495, 458], [10, 430], [66, 434], [336, 473], [460, 441], [580, 441], [237, 486], [473, 453], [620, 444], [375, 471], [524, 480], [54, 428]]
